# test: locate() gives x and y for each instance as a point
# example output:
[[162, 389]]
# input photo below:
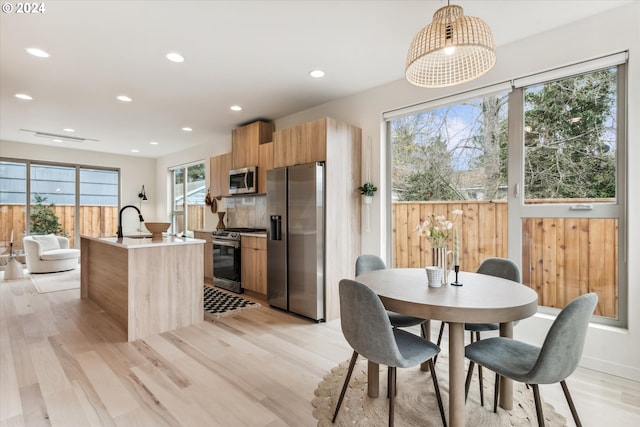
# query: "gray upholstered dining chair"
[[366, 263], [553, 362], [367, 329], [497, 267]]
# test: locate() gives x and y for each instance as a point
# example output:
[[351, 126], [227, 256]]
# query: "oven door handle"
[[231, 244]]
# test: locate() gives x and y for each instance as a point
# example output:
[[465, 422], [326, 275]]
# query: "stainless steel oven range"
[[227, 259]]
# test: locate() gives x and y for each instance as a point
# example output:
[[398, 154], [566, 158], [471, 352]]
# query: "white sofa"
[[49, 253]]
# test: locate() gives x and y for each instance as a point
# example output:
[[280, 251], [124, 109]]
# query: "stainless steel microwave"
[[243, 180]]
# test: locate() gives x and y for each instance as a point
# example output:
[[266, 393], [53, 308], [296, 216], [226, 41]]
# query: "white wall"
[[612, 350], [134, 173]]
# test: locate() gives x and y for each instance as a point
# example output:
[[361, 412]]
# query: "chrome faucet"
[[120, 218]]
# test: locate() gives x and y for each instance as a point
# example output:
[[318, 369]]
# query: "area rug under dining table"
[[415, 404]]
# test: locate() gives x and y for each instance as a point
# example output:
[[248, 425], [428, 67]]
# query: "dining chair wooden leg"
[[467, 383], [437, 390], [392, 392], [567, 395], [352, 364], [496, 391], [536, 398]]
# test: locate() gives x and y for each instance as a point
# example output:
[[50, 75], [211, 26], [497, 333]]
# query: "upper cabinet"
[[246, 142], [301, 144], [265, 162], [219, 167]]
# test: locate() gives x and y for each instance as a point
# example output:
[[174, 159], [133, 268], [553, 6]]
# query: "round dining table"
[[480, 299]]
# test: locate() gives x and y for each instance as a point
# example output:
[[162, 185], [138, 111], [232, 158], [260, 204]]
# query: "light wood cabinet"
[[246, 141], [301, 144], [208, 253], [146, 288], [254, 263], [265, 162], [219, 167]]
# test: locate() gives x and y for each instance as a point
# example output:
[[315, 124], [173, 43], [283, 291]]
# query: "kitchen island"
[[147, 285]]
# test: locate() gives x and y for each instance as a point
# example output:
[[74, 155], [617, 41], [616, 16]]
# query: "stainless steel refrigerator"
[[295, 244]]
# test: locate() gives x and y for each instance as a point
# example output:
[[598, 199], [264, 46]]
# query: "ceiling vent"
[[54, 136]]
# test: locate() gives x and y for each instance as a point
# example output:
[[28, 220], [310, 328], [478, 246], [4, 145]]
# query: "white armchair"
[[49, 253]]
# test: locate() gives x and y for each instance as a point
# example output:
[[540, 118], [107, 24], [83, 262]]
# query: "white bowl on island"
[[157, 228]]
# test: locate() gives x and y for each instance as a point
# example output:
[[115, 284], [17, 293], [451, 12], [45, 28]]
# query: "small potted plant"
[[368, 190]]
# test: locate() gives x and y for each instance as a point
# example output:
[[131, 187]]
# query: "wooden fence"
[[561, 258], [96, 221]]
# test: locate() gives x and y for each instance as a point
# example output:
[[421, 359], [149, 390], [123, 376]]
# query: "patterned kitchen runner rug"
[[221, 303]]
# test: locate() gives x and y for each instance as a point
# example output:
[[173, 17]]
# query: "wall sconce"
[[142, 195]]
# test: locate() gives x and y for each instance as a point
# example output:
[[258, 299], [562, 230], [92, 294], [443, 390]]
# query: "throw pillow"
[[48, 242]]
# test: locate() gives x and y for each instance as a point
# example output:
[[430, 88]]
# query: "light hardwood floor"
[[64, 362]]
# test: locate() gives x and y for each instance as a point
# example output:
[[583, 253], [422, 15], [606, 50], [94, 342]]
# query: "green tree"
[[568, 141], [421, 159], [43, 219], [492, 141]]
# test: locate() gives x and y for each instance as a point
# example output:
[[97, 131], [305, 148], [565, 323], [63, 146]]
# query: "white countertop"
[[146, 242]]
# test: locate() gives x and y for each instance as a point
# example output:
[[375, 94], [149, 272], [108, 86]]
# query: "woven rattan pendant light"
[[452, 49]]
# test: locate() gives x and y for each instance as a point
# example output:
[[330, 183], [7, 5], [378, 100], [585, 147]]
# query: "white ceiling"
[[256, 54]]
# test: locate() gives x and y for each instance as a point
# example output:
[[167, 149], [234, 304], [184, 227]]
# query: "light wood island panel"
[[147, 287]]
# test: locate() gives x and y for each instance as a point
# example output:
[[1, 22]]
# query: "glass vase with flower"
[[438, 231]]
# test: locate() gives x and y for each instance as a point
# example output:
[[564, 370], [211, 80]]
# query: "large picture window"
[[447, 158], [537, 170], [63, 199]]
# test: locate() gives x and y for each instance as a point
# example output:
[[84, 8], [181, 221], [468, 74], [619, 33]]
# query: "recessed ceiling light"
[[187, 129], [124, 98], [135, 151], [236, 108], [68, 130], [37, 52], [57, 140], [23, 96], [175, 57], [153, 143], [316, 74]]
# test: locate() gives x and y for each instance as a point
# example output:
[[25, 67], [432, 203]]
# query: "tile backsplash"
[[246, 211]]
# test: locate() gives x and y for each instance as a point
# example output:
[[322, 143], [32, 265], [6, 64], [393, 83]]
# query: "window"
[[188, 194], [449, 157], [570, 138], [68, 200], [98, 202], [539, 174]]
